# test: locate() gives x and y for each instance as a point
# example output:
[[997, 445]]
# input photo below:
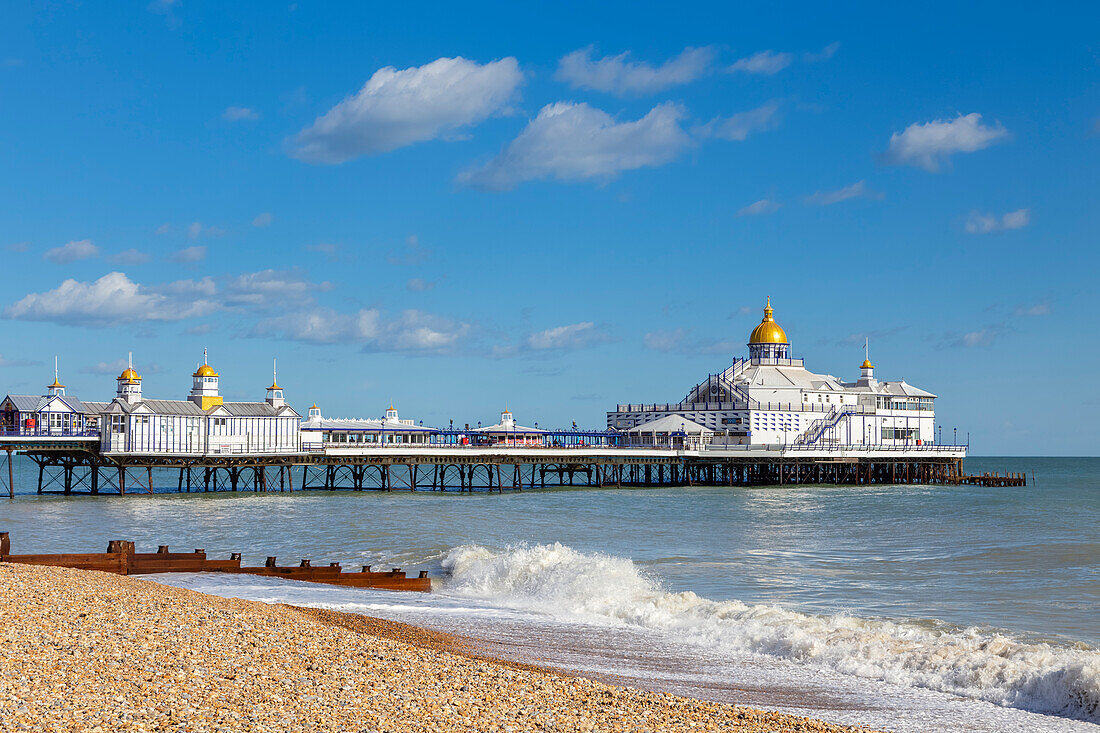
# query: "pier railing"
[[48, 432]]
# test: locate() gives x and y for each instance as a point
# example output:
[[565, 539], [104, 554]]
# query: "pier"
[[75, 465]]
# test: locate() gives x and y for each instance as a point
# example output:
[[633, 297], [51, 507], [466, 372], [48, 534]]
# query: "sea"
[[906, 608]]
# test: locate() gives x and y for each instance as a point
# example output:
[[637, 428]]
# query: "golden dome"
[[205, 371], [866, 364], [274, 385], [129, 376], [768, 332], [55, 384]]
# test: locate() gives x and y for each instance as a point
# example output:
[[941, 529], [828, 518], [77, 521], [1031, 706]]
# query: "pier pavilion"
[[772, 399]]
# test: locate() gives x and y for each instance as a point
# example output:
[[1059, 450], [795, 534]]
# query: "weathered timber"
[[122, 559]]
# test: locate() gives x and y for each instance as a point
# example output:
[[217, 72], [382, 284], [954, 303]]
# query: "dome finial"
[[768, 331]]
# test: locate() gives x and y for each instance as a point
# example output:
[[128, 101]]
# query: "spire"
[[204, 361], [129, 360], [274, 376], [57, 388], [55, 368]]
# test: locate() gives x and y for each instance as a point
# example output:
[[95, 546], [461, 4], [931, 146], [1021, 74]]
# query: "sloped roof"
[[25, 402], [674, 423], [509, 430], [363, 425]]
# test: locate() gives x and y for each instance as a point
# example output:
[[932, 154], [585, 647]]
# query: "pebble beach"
[[89, 651]]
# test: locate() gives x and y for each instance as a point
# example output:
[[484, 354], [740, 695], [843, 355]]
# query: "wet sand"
[[87, 651]]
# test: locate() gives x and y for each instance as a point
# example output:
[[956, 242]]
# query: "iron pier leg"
[[122, 480], [11, 477], [95, 479], [149, 478], [41, 469]]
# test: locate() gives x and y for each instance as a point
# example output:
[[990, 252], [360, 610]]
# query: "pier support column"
[[11, 477], [149, 479]]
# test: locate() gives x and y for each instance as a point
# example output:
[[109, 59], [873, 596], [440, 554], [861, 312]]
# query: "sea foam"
[[970, 662]]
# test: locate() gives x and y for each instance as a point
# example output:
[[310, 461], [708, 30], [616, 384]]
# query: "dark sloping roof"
[[94, 408], [249, 409], [25, 402]]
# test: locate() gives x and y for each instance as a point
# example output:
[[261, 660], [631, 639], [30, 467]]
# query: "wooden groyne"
[[991, 479], [122, 558]]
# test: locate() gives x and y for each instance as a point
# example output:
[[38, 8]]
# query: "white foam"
[[991, 666]]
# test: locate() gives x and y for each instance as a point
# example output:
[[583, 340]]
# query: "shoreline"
[[87, 651]]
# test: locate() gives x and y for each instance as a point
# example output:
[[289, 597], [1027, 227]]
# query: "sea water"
[[903, 607]]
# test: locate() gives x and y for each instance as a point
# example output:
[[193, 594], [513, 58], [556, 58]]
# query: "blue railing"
[[45, 432]]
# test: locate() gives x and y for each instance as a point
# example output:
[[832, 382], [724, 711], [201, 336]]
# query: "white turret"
[[275, 392], [866, 369], [204, 388], [391, 414], [57, 389], [507, 419], [129, 383]]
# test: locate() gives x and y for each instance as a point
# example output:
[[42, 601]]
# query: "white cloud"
[[410, 331], [111, 299], [739, 126], [236, 114], [931, 144], [979, 223], [413, 253], [269, 289], [326, 248], [824, 54], [858, 190], [574, 142], [763, 206], [617, 75], [4, 362], [263, 220], [398, 108], [130, 257], [679, 341], [18, 247], [567, 338], [196, 229], [80, 249], [419, 285], [764, 62], [1039, 309], [189, 255], [165, 228]]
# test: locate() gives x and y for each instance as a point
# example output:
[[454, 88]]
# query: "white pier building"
[[204, 423], [772, 399]]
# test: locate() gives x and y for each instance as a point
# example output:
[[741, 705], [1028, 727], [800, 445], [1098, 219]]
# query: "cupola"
[[314, 412], [56, 389], [768, 341], [275, 392], [129, 383], [391, 414], [204, 385], [507, 419]]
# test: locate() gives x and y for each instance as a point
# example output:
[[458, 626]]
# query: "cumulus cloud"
[[986, 223], [824, 54], [620, 76], [413, 253], [763, 206], [1039, 309], [739, 126], [858, 190], [189, 255], [263, 220], [269, 289], [396, 108], [236, 114], [410, 331], [680, 340], [764, 62], [130, 257], [930, 145], [81, 249], [195, 230], [575, 142], [111, 299], [567, 338], [419, 285]]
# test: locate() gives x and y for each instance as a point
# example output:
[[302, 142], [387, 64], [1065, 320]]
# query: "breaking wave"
[[971, 662]]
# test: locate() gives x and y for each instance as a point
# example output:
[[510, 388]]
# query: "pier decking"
[[71, 466]]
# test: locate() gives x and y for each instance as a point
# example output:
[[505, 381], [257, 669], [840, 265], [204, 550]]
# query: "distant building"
[[771, 398], [509, 432], [319, 431]]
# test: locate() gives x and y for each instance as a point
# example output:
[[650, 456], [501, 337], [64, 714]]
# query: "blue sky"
[[554, 207]]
